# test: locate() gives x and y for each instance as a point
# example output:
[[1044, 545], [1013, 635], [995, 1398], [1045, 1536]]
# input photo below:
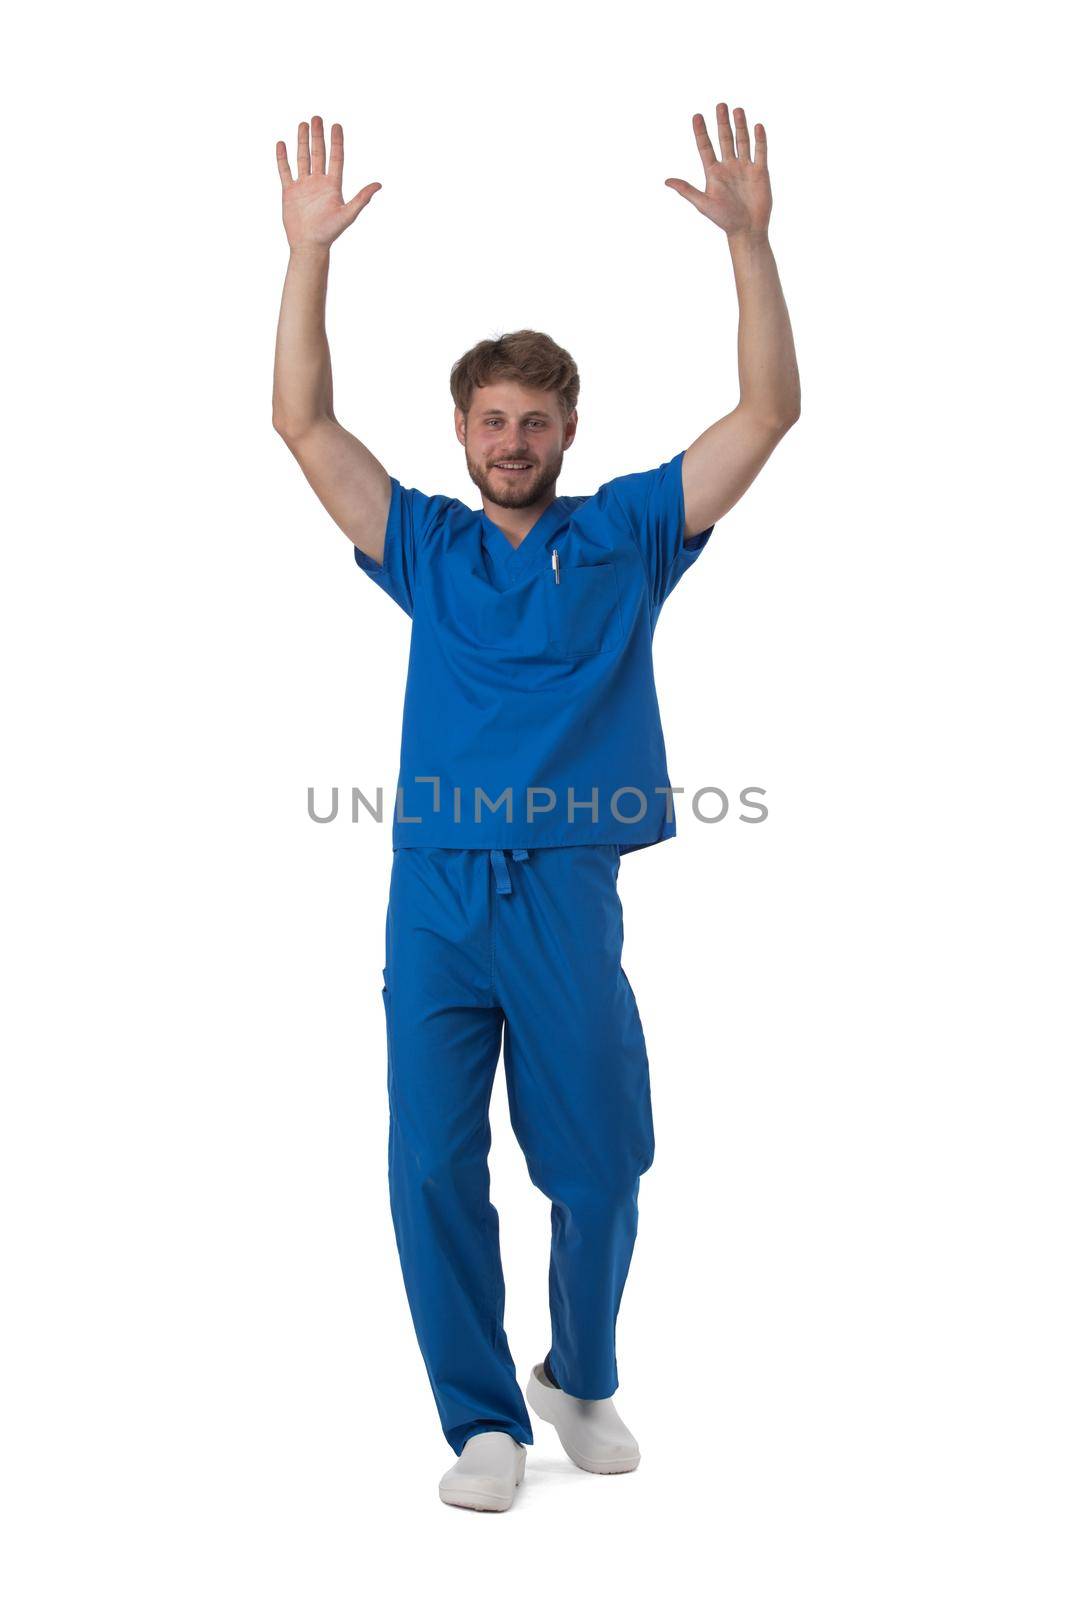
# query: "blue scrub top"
[[530, 717]]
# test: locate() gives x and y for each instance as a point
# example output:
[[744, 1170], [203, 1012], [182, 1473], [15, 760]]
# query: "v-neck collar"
[[512, 561]]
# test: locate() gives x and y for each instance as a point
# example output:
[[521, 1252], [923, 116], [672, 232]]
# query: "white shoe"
[[591, 1431], [486, 1474]]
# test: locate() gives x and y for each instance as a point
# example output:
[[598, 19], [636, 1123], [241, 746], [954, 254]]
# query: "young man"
[[532, 759]]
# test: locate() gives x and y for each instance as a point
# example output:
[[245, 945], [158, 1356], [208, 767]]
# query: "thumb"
[[680, 186], [358, 201]]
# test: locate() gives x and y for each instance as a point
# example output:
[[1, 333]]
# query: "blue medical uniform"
[[529, 680]]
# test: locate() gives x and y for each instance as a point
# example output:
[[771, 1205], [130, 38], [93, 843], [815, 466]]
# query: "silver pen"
[[555, 564]]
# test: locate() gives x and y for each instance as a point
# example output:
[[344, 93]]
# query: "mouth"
[[512, 466]]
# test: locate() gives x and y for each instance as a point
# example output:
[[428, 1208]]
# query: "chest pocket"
[[583, 617]]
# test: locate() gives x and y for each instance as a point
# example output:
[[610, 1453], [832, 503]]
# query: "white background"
[[841, 1344]]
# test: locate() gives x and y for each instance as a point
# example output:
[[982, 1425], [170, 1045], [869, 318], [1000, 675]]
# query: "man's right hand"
[[313, 213]]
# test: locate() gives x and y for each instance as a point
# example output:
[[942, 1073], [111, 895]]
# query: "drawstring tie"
[[500, 867]]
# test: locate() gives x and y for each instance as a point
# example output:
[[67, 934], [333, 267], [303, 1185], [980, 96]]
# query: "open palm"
[[312, 209], [737, 192]]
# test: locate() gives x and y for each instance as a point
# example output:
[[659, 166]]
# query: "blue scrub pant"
[[528, 944]]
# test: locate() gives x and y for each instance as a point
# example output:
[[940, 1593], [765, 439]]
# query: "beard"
[[517, 489]]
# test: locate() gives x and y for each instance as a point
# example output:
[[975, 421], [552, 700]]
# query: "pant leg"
[[578, 1090], [444, 1036]]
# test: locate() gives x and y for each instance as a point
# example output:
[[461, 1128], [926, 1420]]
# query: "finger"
[[704, 144], [302, 162], [743, 152], [358, 201], [337, 153], [761, 144], [318, 146], [680, 186], [283, 164], [726, 137]]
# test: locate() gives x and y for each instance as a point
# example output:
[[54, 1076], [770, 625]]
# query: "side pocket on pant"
[[388, 1070], [385, 1000]]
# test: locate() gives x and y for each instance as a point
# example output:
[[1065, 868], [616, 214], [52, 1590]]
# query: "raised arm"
[[719, 466], [351, 482]]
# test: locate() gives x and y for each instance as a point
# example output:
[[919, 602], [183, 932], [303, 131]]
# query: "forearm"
[[303, 379], [766, 357]]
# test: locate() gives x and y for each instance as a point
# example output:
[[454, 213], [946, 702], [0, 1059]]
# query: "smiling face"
[[508, 423]]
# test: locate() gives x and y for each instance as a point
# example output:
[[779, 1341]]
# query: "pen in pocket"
[[555, 564]]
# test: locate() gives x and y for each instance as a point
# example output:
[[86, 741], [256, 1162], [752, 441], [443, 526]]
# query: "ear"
[[461, 427]]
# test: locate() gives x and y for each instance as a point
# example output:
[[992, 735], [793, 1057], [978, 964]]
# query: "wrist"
[[309, 250], [748, 238]]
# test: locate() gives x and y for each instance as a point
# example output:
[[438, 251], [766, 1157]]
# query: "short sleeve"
[[653, 508], [411, 514]]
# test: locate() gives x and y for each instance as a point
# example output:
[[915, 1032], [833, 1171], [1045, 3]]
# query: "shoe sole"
[[541, 1404], [472, 1499]]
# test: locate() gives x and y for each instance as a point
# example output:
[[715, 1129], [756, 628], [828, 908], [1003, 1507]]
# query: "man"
[[532, 759]]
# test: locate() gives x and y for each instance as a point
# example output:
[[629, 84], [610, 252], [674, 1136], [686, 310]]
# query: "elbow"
[[773, 422], [792, 413], [782, 421], [284, 425], [292, 430]]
